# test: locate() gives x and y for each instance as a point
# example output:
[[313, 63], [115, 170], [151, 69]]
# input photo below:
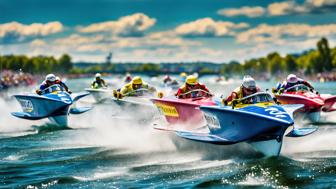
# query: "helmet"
[[50, 77], [137, 80], [191, 80], [249, 82], [98, 75], [291, 78], [183, 74]]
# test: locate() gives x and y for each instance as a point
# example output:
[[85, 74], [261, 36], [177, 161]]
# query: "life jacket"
[[45, 85], [128, 89], [184, 89], [98, 84], [239, 92]]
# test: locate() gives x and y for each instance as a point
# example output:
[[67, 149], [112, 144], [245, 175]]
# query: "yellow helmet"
[[137, 80], [191, 80], [183, 74]]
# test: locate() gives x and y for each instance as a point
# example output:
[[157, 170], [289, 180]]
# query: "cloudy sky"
[[164, 30]]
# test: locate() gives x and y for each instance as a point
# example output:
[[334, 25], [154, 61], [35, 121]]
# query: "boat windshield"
[[297, 88], [257, 98], [53, 88], [196, 94]]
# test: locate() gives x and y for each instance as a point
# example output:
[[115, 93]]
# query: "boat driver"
[[247, 88], [131, 88], [98, 82], [191, 84], [128, 78], [50, 80], [291, 81]]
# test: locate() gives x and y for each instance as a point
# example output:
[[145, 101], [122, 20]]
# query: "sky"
[[164, 30]]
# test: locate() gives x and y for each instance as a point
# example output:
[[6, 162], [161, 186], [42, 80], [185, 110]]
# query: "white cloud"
[[17, 32], [76, 40], [282, 8], [132, 25], [207, 27], [321, 3], [269, 33], [246, 11], [38, 43], [105, 43]]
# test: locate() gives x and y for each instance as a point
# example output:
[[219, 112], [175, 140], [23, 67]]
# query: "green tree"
[[64, 63], [324, 55], [291, 63], [276, 63]]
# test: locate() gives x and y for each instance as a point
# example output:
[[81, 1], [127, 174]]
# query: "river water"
[[104, 150]]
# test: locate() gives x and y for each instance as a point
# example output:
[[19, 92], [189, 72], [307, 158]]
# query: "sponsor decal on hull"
[[167, 110], [27, 105]]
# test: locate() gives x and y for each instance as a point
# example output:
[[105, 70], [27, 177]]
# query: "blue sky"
[[164, 30]]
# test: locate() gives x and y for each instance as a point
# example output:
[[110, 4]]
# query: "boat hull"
[[54, 106], [137, 108], [40, 106], [262, 126], [242, 124], [100, 95]]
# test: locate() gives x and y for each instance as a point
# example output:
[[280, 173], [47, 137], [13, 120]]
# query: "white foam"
[[9, 123], [322, 140], [107, 131], [13, 157], [102, 175]]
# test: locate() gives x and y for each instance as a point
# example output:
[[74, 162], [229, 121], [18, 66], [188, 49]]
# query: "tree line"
[[321, 59], [36, 64]]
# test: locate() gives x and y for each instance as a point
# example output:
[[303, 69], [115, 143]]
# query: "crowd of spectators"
[[10, 79]]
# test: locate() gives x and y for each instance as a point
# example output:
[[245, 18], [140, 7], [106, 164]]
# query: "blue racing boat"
[[54, 103], [256, 119]]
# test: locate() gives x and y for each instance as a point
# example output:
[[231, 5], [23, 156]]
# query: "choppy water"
[[103, 151]]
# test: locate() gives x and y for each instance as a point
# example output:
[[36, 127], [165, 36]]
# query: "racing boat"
[[313, 102], [255, 119], [101, 94], [54, 104], [183, 112]]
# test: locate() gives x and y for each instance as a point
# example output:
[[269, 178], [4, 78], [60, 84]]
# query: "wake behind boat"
[[54, 103], [135, 102]]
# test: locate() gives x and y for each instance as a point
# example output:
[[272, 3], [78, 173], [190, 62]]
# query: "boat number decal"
[[212, 121], [167, 110], [276, 112], [65, 100], [27, 105]]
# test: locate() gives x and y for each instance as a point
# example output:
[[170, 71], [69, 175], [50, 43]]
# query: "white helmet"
[[98, 75], [50, 77], [249, 82], [291, 78]]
